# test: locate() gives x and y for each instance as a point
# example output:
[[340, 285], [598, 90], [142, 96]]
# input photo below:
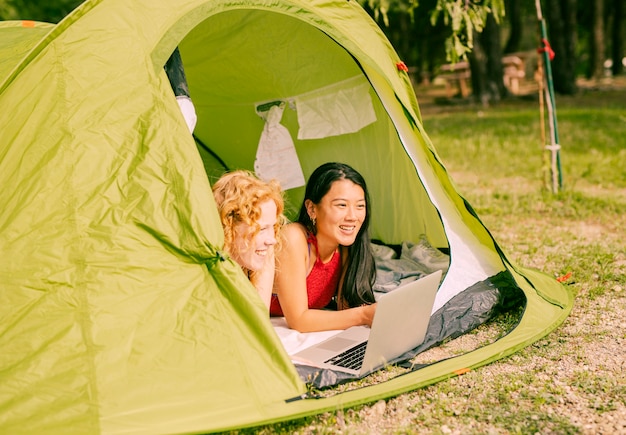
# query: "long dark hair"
[[356, 288]]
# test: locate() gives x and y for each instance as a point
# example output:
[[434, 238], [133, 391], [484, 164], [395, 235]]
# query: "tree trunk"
[[617, 41], [478, 65], [563, 37], [514, 15], [596, 55], [486, 64], [495, 72]]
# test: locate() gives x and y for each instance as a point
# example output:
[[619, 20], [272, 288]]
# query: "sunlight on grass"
[[504, 143]]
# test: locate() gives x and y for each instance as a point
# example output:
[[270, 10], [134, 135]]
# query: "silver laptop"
[[399, 325]]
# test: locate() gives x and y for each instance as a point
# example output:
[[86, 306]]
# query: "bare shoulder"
[[292, 257], [294, 234]]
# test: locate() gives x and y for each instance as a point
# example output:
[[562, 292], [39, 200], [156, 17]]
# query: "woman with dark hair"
[[327, 255]]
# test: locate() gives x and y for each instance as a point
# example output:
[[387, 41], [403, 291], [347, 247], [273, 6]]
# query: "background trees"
[[584, 36], [563, 35], [587, 37]]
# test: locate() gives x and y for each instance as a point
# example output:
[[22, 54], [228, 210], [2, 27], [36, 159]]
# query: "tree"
[[419, 42], [616, 7], [463, 20], [462, 17], [514, 15], [563, 37], [596, 46], [486, 64]]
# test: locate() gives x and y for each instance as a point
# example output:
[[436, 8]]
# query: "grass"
[[571, 381], [507, 140]]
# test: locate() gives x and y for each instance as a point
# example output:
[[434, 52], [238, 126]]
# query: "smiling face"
[[249, 249], [340, 213]]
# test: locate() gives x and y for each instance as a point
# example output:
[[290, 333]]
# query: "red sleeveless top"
[[321, 283]]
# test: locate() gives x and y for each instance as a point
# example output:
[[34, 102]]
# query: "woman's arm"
[[263, 279], [292, 268]]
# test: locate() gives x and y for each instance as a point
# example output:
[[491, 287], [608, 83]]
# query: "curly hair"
[[238, 195]]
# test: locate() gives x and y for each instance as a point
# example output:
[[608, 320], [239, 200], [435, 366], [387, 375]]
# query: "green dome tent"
[[118, 311]]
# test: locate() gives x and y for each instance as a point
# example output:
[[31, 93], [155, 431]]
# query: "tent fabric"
[[119, 312], [18, 38]]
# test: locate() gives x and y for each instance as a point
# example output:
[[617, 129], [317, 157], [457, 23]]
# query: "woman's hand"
[[263, 279], [368, 314]]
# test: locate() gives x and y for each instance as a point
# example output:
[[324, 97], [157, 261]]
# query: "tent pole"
[[545, 168], [554, 147]]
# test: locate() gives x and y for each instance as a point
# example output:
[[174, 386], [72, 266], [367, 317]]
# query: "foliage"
[[381, 8], [463, 17]]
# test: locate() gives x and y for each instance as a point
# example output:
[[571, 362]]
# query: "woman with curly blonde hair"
[[251, 212]]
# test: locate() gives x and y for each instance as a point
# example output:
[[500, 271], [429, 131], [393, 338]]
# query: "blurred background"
[[483, 50]]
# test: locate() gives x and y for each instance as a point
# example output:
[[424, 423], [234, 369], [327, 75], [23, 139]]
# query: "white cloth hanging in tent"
[[276, 156], [341, 108]]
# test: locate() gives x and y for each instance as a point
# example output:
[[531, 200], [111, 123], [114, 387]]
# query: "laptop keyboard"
[[351, 358]]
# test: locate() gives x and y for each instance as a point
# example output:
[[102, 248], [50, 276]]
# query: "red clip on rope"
[[546, 48], [565, 277]]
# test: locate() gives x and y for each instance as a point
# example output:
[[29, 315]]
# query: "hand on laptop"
[[368, 313]]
